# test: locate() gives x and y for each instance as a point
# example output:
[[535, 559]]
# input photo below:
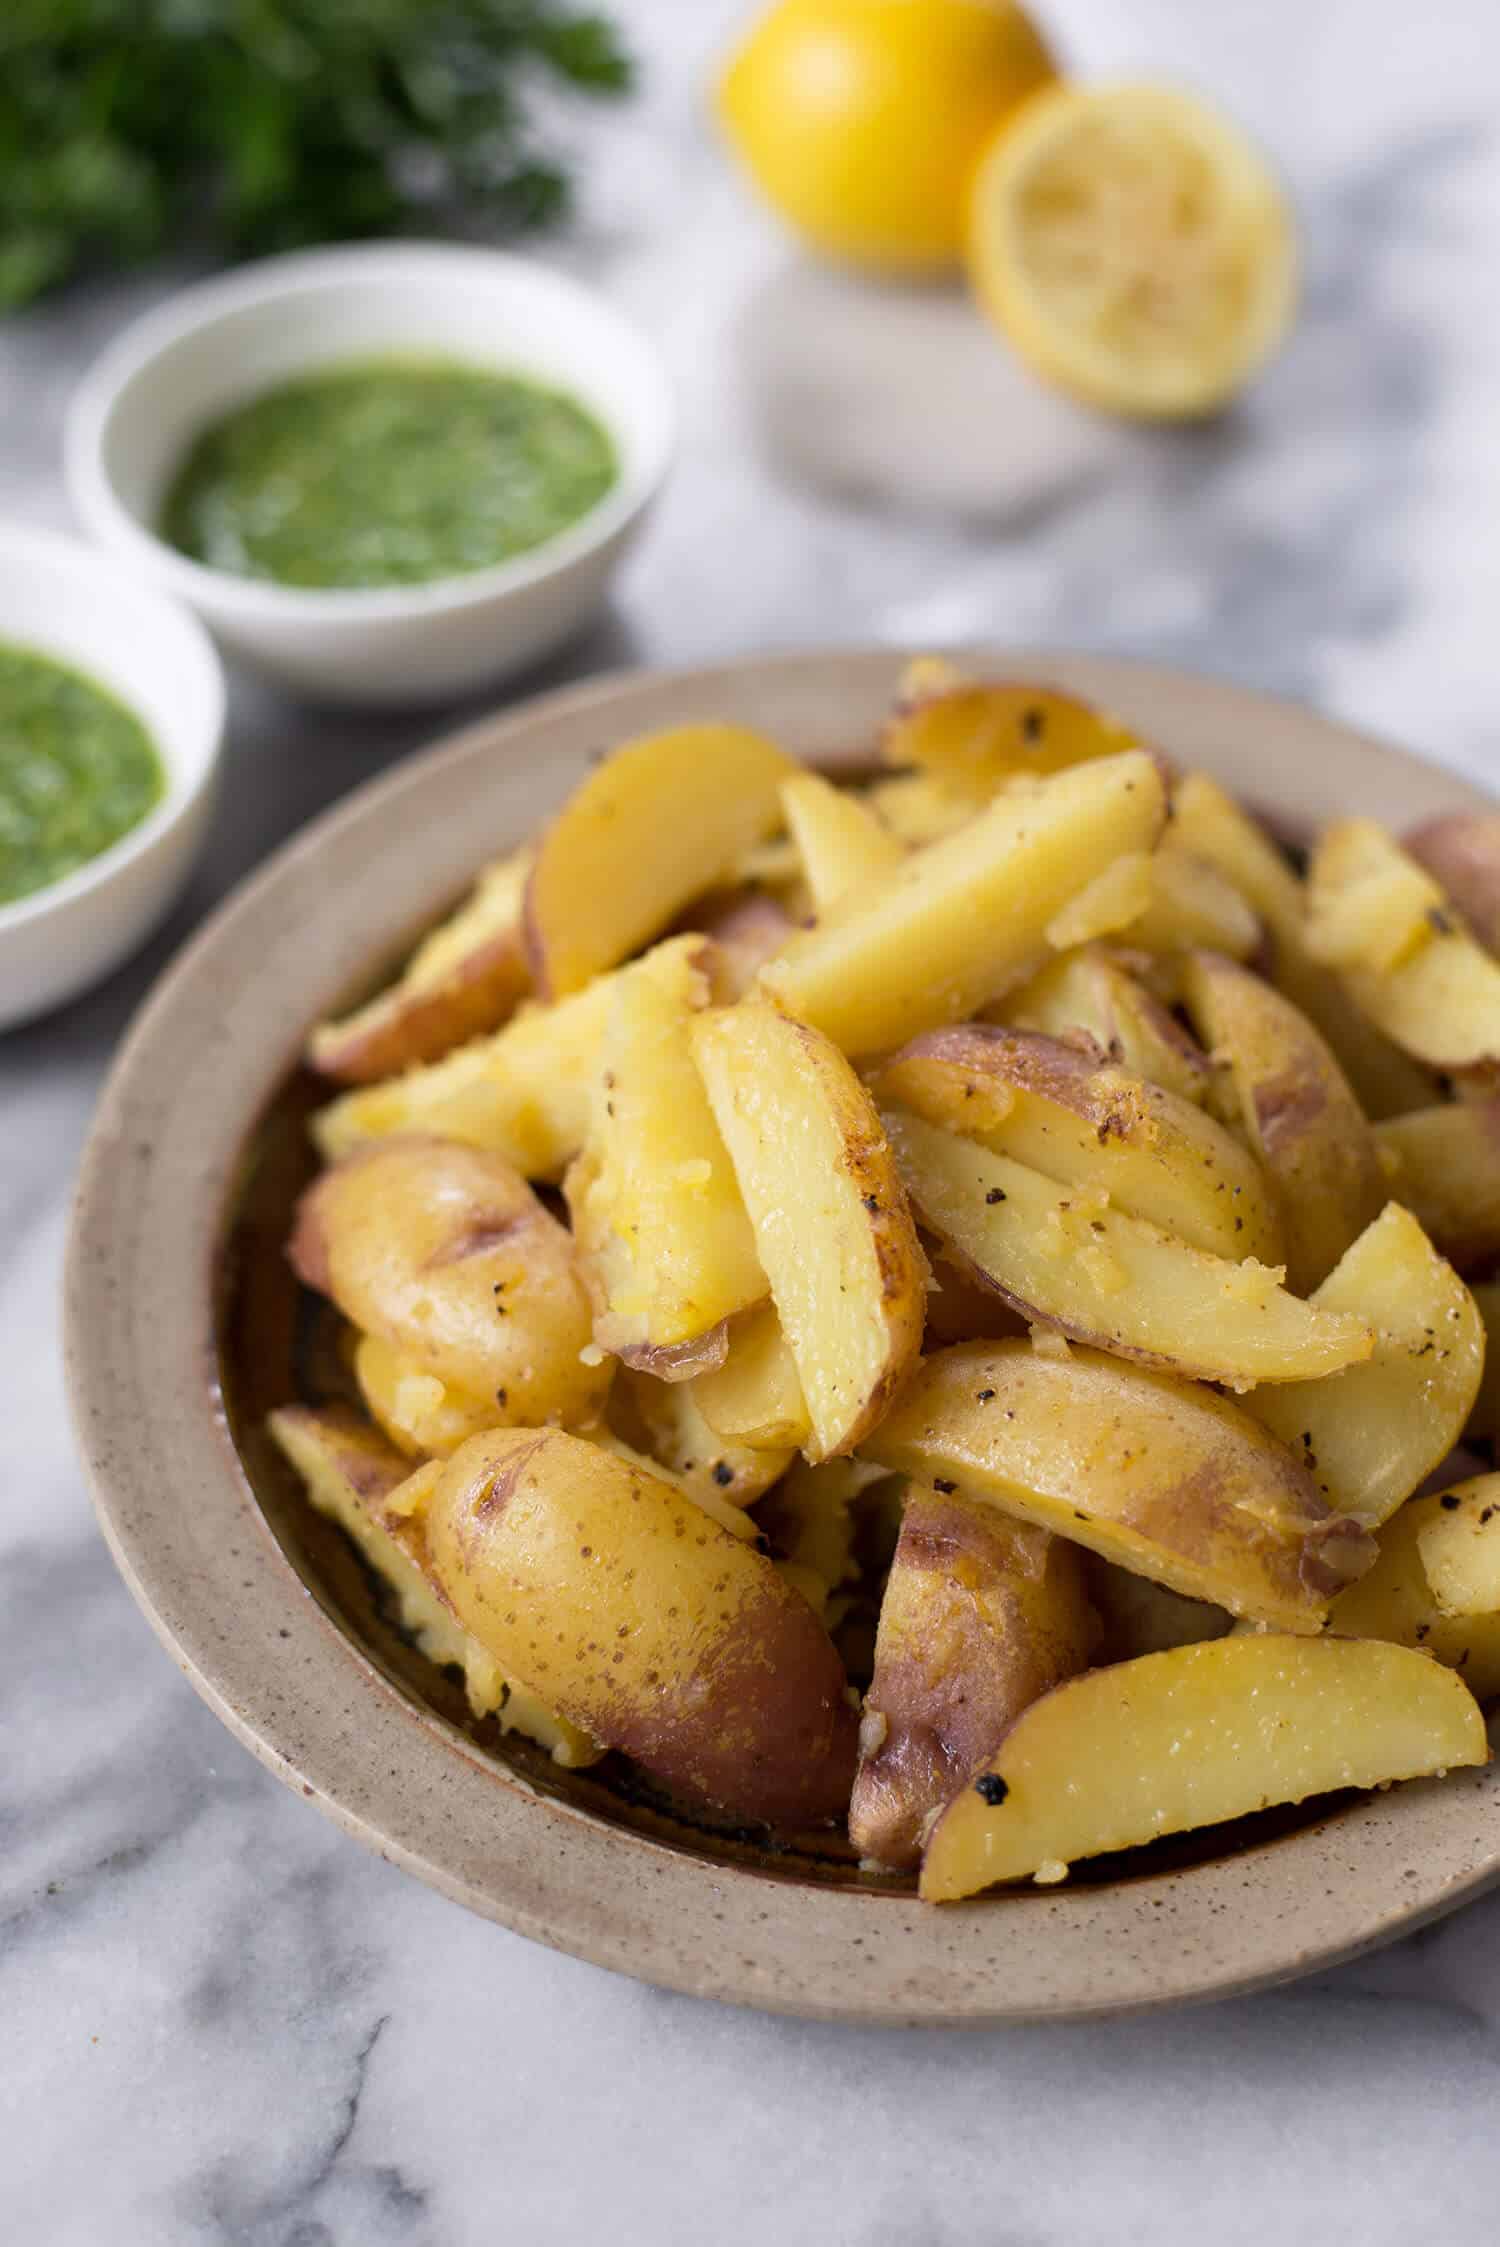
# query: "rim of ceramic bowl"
[[188, 776], [294, 278], [180, 1515]]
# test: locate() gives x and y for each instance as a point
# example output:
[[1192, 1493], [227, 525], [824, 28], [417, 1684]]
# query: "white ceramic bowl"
[[57, 597], [208, 350]]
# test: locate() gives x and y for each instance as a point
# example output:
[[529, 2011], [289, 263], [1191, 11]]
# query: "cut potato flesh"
[[1462, 854], [980, 1616], [655, 825], [1086, 1123], [755, 1397], [842, 845], [955, 922], [1158, 1475], [526, 1093], [666, 1247], [1372, 1434], [1299, 1111], [1191, 903], [1438, 997], [1444, 1163], [371, 1492], [1459, 1541], [832, 1227], [1087, 994], [466, 977], [973, 736], [1397, 1600], [1211, 825], [661, 1420], [1193, 1737], [1063, 1256], [422, 1415], [917, 809]]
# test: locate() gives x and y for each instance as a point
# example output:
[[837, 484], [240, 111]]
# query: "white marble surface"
[[222, 2022]]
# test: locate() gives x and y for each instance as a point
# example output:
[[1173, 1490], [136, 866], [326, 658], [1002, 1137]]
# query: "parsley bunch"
[[242, 126]]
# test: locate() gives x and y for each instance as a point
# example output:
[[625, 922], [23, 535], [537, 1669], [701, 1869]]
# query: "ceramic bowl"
[[213, 347], [88, 613], [183, 1327]]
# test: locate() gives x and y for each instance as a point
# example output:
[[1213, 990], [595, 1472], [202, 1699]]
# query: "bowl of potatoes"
[[818, 1329]]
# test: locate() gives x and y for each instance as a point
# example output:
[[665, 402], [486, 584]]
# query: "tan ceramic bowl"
[[182, 1326]]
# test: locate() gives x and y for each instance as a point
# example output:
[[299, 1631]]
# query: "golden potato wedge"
[[526, 1093], [916, 808], [468, 976], [694, 1487], [662, 1421], [1063, 1257], [657, 823], [755, 1397], [1461, 851], [980, 1616], [1163, 1477], [446, 1254], [959, 920], [1401, 951], [1444, 1163], [1098, 1764], [1091, 1124], [665, 1246], [1212, 826], [1191, 903], [423, 1416], [1107, 904], [841, 843], [1300, 1113], [807, 1520], [1396, 1600], [1141, 1617], [832, 1226], [352, 1475], [1459, 1541], [973, 736], [660, 1633], [1371, 1435], [1090, 999], [1484, 1420]]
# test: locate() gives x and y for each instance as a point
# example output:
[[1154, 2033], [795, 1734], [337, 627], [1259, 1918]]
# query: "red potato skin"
[[1462, 853], [404, 1029], [754, 1719]]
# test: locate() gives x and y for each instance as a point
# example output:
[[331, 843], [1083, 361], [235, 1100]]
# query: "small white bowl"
[[88, 613], [208, 350]]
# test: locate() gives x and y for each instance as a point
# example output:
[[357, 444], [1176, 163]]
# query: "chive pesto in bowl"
[[389, 471], [78, 771]]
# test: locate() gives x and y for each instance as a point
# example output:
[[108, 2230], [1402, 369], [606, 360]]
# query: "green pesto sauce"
[[387, 472], [77, 771]]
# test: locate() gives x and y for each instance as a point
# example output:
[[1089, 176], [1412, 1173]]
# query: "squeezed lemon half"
[[1134, 246]]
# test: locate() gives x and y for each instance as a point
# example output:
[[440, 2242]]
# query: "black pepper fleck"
[[992, 1788], [947, 1488]]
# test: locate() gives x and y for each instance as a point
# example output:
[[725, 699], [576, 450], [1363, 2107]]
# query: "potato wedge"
[[526, 1093], [662, 1421], [981, 1615], [841, 843], [916, 808], [353, 1476], [1300, 1113], [1155, 1474], [1461, 852], [423, 1416], [1141, 1617], [1444, 1163], [656, 824], [973, 736], [1371, 1435], [831, 1222], [657, 1631], [1192, 903], [446, 1254], [1404, 956], [1063, 1257], [1396, 1601], [958, 921], [665, 1245], [1107, 904], [1088, 997], [755, 1397], [1085, 1123], [468, 976], [1098, 1764], [1211, 825], [808, 1522], [1459, 1542]]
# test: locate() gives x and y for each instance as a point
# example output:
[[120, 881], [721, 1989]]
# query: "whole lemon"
[[862, 121]]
